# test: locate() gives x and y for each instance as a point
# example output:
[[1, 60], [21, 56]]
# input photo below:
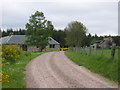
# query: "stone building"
[[20, 41], [105, 43]]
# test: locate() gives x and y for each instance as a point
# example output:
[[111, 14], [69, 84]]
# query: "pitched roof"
[[13, 39], [52, 41], [19, 39]]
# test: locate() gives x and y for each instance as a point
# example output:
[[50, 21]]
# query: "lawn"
[[100, 64], [15, 70]]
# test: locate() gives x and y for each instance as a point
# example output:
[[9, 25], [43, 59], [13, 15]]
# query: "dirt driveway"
[[55, 70]]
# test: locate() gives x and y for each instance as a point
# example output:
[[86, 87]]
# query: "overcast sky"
[[99, 16]]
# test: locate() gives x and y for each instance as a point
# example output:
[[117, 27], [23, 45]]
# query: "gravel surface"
[[55, 70]]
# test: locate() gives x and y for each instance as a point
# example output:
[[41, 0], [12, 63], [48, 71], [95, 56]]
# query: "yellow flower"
[[0, 53], [3, 59], [0, 80], [1, 74], [11, 51], [7, 63]]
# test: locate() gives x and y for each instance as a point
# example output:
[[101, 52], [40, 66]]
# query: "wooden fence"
[[96, 51]]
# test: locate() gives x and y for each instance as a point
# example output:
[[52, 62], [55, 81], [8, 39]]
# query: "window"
[[24, 47], [37, 46], [52, 46]]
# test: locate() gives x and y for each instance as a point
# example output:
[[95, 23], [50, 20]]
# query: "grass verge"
[[16, 70], [102, 65]]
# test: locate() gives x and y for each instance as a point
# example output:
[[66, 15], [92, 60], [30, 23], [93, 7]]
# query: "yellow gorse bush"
[[10, 52], [4, 77]]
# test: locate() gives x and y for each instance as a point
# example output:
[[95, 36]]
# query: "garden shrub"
[[11, 52]]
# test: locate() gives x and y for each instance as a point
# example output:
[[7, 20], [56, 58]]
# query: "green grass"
[[102, 65], [16, 70]]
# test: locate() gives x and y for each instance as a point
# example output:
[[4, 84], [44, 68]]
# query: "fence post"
[[113, 50], [81, 50], [86, 50], [95, 49], [90, 50], [102, 51]]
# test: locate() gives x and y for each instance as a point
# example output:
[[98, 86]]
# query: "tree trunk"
[[40, 49]]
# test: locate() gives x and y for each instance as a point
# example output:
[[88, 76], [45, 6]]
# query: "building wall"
[[57, 47], [34, 48]]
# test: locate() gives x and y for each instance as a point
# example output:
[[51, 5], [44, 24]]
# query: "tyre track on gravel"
[[55, 70]]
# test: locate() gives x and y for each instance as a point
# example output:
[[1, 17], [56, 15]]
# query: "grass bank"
[[102, 65], [15, 70]]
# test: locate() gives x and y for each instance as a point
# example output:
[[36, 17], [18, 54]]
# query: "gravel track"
[[55, 70]]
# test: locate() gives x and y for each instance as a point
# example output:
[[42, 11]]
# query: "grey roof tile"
[[4, 40], [19, 39]]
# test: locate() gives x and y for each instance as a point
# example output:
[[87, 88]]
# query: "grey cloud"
[[98, 17]]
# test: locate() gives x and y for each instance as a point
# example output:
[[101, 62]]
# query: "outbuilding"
[[20, 41]]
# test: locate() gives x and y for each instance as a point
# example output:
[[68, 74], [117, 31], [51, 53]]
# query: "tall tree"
[[87, 40], [75, 32], [59, 35], [10, 31], [38, 30]]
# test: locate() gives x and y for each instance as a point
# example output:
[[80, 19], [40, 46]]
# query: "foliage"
[[15, 71], [116, 40], [59, 35], [13, 32], [75, 32], [87, 40], [38, 30], [13, 74], [102, 65], [10, 52]]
